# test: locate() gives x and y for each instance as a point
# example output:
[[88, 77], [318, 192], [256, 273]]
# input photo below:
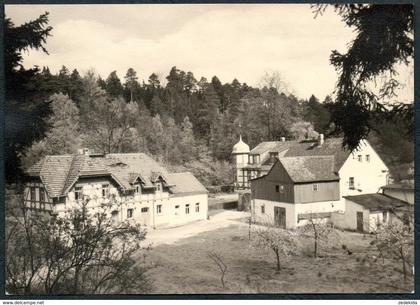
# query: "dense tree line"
[[178, 120]]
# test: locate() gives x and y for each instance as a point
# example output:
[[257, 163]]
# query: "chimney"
[[321, 139], [283, 139]]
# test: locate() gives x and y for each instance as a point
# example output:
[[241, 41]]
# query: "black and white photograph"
[[208, 149]]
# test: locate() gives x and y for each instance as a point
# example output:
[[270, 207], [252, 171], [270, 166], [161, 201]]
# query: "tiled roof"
[[185, 183], [54, 173], [310, 168], [59, 173], [264, 146], [330, 147], [377, 202]]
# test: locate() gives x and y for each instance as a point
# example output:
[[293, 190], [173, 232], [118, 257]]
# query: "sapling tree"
[[81, 251], [218, 260], [321, 232], [396, 240], [282, 242]]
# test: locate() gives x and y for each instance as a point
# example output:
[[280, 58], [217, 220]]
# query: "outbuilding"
[[364, 213]]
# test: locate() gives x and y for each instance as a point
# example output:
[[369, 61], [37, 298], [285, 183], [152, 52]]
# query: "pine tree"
[[113, 85], [131, 82]]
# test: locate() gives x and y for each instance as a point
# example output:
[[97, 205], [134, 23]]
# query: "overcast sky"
[[231, 41]]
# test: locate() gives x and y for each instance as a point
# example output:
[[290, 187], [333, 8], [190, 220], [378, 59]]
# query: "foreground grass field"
[[185, 267]]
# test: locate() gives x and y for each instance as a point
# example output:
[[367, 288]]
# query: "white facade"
[[263, 210], [240, 158], [367, 169], [369, 221], [363, 172], [154, 210]]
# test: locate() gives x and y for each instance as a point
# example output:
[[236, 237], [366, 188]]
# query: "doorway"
[[280, 217], [359, 222]]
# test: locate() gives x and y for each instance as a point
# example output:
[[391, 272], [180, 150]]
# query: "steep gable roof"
[[53, 171], [330, 147], [310, 168]]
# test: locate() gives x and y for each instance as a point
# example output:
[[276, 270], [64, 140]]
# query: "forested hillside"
[[181, 119]]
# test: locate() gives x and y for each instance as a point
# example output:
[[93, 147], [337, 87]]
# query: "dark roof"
[[377, 202], [310, 168], [407, 185], [60, 173], [53, 172], [330, 147]]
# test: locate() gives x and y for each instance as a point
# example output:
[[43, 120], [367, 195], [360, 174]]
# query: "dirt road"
[[170, 235]]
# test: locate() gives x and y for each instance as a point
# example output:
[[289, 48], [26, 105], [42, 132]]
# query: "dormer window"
[[158, 186], [137, 190], [273, 156]]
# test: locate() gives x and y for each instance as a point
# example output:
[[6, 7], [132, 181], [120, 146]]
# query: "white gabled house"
[[292, 181], [142, 190]]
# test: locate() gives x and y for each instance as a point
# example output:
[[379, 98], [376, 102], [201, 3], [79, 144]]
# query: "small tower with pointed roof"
[[240, 154]]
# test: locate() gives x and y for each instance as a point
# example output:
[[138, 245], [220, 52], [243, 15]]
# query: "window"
[[359, 158], [158, 187], [273, 156], [384, 216], [41, 195], [138, 189], [129, 213], [351, 183], [263, 209], [197, 207], [114, 216], [187, 209], [105, 190], [315, 187], [367, 158], [78, 193], [279, 188], [250, 159], [33, 194], [176, 209], [159, 209], [144, 210]]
